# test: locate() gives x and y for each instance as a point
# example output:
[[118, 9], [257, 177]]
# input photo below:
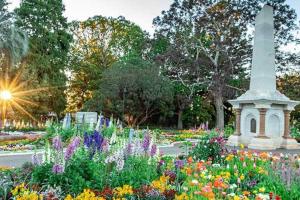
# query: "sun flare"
[[5, 95], [15, 97]]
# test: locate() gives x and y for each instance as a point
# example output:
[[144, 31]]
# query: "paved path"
[[18, 159]]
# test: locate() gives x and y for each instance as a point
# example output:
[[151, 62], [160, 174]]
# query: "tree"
[[211, 42], [289, 85], [133, 91], [98, 43], [13, 41], [49, 40]]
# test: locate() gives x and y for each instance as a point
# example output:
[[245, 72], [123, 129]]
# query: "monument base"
[[234, 140], [261, 144], [289, 143]]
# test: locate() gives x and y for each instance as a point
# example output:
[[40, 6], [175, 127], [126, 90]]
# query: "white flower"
[[216, 165], [263, 196], [231, 194], [233, 186], [195, 182]]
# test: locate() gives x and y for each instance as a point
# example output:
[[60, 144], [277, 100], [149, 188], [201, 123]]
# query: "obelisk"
[[263, 77], [262, 112]]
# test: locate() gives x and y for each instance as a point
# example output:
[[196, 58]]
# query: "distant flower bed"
[[19, 144]]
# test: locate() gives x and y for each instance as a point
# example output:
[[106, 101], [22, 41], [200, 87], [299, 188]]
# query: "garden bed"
[[97, 167]]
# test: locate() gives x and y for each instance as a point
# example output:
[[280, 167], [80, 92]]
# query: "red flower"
[[271, 195]]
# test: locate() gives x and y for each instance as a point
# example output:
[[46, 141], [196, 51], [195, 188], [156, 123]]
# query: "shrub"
[[210, 147]]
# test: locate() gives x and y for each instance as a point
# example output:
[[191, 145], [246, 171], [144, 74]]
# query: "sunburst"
[[15, 97]]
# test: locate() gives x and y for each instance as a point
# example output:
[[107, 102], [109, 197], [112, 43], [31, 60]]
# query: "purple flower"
[[161, 162], [179, 164], [56, 143], [129, 149], [252, 183], [94, 142], [57, 169], [146, 142], [153, 150], [107, 122], [105, 145], [87, 140], [98, 138], [72, 148], [35, 159]]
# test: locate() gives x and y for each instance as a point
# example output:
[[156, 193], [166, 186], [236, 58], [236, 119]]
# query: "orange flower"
[[242, 158], [190, 160], [246, 193], [207, 191], [189, 171], [218, 183], [263, 155], [200, 166]]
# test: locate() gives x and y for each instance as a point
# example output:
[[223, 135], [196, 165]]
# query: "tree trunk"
[[179, 120], [219, 111]]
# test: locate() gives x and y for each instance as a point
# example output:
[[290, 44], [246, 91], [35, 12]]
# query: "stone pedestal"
[[262, 144], [234, 140], [290, 143]]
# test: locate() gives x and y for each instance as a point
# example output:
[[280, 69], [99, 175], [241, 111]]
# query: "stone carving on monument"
[[263, 113]]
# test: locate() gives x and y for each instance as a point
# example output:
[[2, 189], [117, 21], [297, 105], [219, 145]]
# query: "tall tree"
[[13, 41], [49, 40], [133, 90], [212, 44], [98, 43], [289, 84]]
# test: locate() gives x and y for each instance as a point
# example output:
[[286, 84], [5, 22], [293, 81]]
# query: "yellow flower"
[[29, 196], [229, 157], [242, 146], [161, 184], [183, 196], [18, 189], [69, 197], [123, 191], [262, 189], [87, 194], [242, 177], [236, 197]]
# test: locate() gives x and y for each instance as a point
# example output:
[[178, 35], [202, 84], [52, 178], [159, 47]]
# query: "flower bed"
[[97, 167]]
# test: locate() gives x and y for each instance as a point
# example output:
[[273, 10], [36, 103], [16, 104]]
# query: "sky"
[[141, 12]]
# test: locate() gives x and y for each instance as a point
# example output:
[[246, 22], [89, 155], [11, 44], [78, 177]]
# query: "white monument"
[[263, 113]]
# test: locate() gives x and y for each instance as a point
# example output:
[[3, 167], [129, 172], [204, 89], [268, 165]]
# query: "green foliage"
[[200, 111], [81, 173], [137, 171], [210, 45], [133, 88], [228, 130], [289, 85], [98, 43], [210, 147], [13, 41], [45, 63], [295, 132]]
